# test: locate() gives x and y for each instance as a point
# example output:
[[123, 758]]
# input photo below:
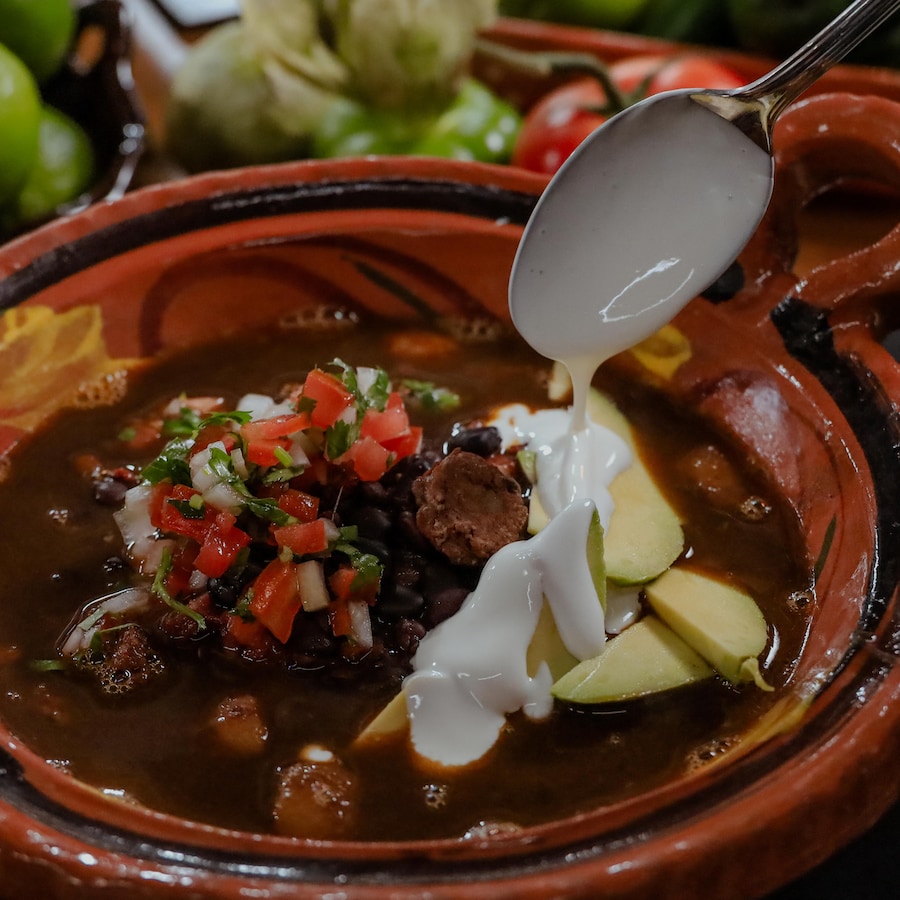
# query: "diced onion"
[[360, 623]]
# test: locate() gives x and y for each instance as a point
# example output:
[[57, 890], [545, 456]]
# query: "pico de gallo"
[[234, 525]]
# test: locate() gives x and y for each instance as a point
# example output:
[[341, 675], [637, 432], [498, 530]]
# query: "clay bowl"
[[789, 368], [95, 88]]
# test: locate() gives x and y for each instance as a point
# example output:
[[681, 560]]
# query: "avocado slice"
[[547, 647], [723, 624], [391, 719], [646, 658]]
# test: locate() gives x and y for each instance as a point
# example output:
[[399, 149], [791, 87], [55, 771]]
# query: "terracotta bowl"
[[791, 368]]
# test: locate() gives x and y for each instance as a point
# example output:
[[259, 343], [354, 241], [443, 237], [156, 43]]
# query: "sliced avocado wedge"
[[644, 536], [392, 719], [723, 624], [547, 647], [646, 658]]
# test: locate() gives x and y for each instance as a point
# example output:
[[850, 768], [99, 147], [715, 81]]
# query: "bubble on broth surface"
[[103, 391], [709, 752], [488, 829], [435, 795], [321, 317], [472, 329], [755, 509]]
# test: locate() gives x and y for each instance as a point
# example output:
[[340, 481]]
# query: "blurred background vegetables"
[[46, 159], [771, 28], [297, 78]]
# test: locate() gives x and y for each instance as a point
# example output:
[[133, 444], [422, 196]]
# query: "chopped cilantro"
[[432, 398], [186, 424], [266, 508], [127, 434], [160, 590], [368, 567], [187, 508], [339, 438], [47, 665], [171, 464], [283, 457]]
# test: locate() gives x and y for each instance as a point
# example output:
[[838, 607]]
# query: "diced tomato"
[[158, 496], [182, 568], [144, 433], [173, 520], [222, 543], [339, 618], [276, 427], [302, 538], [302, 506], [370, 460], [343, 586], [331, 397], [382, 425], [264, 437], [276, 598], [210, 434], [263, 451], [405, 444], [250, 634]]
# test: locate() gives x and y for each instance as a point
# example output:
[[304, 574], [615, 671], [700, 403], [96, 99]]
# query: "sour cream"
[[470, 671], [675, 192]]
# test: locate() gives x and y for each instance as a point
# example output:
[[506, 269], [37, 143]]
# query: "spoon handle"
[[788, 80]]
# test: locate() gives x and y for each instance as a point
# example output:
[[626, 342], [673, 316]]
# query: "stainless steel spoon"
[[656, 203]]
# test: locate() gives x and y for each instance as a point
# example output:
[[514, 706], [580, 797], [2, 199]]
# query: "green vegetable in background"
[[63, 169], [593, 13], [778, 27], [407, 54], [476, 125], [20, 107], [39, 32], [690, 21], [294, 78]]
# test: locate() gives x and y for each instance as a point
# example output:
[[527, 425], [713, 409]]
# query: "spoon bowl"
[[654, 205]]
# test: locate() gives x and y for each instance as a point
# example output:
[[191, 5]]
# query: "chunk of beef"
[[468, 508], [238, 725], [316, 797], [129, 661]]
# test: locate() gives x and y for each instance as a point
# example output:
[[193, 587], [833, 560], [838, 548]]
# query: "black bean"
[[443, 604], [372, 522], [373, 492], [401, 600], [484, 441], [409, 531], [378, 549]]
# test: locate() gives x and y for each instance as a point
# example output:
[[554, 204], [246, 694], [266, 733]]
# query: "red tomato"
[[562, 119], [672, 73], [557, 124]]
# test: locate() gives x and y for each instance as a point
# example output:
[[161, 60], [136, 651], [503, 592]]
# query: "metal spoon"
[[656, 203]]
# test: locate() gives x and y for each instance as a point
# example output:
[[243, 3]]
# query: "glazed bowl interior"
[[811, 407]]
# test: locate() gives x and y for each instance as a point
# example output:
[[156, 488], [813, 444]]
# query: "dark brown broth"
[[155, 746]]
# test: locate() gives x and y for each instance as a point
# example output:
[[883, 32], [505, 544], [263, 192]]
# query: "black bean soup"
[[185, 720]]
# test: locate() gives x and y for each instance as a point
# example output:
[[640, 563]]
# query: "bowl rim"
[[842, 741]]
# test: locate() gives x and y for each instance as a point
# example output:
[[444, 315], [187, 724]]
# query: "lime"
[[20, 110], [39, 32], [64, 167]]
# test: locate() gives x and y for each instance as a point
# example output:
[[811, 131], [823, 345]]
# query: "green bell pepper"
[[477, 125]]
